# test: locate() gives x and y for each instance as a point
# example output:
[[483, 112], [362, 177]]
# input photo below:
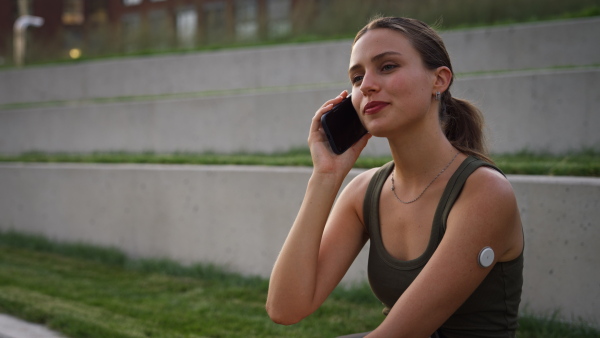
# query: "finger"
[[316, 120], [327, 106], [337, 99]]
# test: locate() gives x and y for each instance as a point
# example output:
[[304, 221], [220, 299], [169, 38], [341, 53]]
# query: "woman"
[[429, 213]]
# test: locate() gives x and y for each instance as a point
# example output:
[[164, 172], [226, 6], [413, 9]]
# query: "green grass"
[[551, 327], [581, 163], [87, 291]]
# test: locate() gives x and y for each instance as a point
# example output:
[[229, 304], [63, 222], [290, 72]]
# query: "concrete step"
[[548, 110]]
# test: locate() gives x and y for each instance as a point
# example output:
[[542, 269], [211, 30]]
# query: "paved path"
[[11, 327]]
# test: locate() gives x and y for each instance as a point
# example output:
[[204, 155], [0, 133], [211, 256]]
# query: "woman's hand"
[[324, 239], [325, 161]]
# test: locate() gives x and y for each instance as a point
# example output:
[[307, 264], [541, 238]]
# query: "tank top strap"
[[455, 186], [371, 202]]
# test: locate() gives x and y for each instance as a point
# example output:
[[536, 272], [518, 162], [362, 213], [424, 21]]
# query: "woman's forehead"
[[377, 41]]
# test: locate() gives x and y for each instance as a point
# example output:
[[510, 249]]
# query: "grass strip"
[[89, 291], [78, 318], [85, 291], [531, 326], [581, 163]]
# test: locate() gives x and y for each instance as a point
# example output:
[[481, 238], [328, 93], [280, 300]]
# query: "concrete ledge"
[[540, 110], [239, 217], [523, 46], [543, 111]]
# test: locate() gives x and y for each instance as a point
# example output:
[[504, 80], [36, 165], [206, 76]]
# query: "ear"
[[443, 78]]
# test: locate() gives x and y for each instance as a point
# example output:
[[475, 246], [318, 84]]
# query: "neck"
[[418, 157]]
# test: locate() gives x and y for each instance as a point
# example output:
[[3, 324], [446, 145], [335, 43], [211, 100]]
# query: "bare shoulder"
[[361, 181], [488, 184], [487, 209], [364, 177], [487, 193], [353, 195]]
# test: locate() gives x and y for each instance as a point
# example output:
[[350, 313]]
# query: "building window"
[[279, 20], [215, 19], [246, 19], [131, 25], [187, 25], [131, 2], [73, 12], [158, 29]]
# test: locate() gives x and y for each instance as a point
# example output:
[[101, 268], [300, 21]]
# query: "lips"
[[374, 107]]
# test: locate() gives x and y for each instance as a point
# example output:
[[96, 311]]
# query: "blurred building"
[[104, 27]]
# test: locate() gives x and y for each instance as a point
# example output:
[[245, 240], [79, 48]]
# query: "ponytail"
[[463, 125]]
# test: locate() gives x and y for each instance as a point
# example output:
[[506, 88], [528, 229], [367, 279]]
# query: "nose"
[[369, 84]]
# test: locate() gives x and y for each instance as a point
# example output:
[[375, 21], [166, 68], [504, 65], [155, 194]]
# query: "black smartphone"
[[342, 126]]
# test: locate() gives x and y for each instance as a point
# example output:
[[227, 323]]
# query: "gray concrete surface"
[[11, 327], [523, 46], [554, 111], [238, 217]]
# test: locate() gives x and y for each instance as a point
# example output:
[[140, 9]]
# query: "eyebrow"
[[375, 59]]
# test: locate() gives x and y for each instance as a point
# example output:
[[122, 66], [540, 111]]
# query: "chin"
[[378, 131]]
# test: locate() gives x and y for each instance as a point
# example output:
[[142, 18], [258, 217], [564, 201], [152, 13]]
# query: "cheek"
[[403, 84], [356, 98], [418, 85]]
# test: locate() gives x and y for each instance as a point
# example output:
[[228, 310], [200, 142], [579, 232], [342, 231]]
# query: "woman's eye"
[[388, 67], [357, 78]]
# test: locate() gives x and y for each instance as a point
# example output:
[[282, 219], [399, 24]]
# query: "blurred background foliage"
[[90, 29]]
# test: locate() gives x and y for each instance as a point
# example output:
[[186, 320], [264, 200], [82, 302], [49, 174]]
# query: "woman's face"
[[391, 88]]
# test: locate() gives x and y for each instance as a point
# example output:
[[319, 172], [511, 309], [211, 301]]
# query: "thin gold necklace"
[[421, 194]]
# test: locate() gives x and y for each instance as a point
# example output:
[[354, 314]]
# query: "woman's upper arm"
[[485, 214], [343, 237]]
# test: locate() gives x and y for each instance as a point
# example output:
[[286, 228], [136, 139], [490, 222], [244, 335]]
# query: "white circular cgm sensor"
[[486, 257]]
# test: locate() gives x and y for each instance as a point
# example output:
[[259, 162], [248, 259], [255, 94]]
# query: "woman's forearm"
[[293, 281]]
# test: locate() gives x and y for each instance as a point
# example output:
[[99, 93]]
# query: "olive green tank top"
[[491, 311]]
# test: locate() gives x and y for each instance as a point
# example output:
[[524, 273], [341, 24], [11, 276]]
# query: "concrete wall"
[[261, 99], [239, 217], [525, 46], [553, 111], [562, 255]]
